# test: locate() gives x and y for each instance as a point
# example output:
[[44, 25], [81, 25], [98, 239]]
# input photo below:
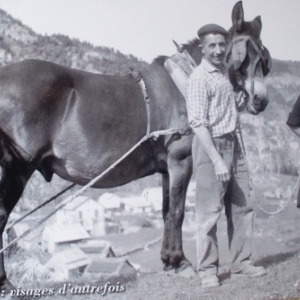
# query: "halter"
[[238, 50]]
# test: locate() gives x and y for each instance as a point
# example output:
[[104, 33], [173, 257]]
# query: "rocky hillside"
[[271, 146], [18, 42]]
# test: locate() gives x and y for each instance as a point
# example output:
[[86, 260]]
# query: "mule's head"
[[248, 60]]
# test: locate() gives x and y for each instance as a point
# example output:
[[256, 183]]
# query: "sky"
[[145, 28]]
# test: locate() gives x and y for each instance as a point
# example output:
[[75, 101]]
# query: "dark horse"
[[76, 124]]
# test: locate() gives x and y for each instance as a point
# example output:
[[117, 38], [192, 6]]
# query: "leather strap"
[[139, 79]]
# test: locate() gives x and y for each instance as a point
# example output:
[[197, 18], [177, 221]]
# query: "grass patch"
[[276, 246], [281, 282]]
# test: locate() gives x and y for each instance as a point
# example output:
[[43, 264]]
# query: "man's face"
[[214, 48]]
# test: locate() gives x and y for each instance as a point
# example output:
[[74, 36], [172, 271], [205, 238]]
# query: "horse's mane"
[[194, 50], [160, 59], [192, 47]]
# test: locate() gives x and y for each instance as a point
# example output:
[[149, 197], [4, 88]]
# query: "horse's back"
[[78, 121], [43, 93]]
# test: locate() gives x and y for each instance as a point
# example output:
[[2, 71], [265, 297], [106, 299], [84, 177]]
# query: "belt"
[[229, 134]]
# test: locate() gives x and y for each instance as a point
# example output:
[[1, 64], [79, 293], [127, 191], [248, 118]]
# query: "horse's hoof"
[[188, 272]]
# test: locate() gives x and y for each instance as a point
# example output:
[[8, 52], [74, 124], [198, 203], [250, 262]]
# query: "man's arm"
[[197, 108], [207, 143]]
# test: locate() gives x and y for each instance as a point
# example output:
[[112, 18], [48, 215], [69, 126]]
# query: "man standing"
[[219, 163]]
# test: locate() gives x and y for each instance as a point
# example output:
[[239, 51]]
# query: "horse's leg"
[[165, 210], [13, 180], [179, 176]]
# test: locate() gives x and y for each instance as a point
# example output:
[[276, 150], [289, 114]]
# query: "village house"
[[85, 211], [111, 204], [32, 241], [57, 237], [191, 190], [153, 196], [189, 205], [112, 226], [68, 263], [136, 205], [117, 268], [96, 249]]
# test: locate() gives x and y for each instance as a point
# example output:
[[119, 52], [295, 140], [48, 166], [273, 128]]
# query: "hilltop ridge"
[[271, 146], [18, 42]]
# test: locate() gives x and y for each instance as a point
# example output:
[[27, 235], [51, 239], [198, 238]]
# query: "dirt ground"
[[273, 235]]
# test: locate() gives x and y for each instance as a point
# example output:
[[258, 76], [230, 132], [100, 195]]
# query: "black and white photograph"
[[149, 149]]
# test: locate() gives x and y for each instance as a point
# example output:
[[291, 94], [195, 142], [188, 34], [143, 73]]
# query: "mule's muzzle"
[[255, 105], [258, 98]]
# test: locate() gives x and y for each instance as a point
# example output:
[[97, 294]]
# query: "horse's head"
[[248, 60]]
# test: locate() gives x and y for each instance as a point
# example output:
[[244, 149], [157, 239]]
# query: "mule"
[[76, 124]]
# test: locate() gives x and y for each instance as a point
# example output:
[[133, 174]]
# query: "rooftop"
[[66, 233]]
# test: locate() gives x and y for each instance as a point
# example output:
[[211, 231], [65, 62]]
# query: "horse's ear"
[[257, 26], [237, 16]]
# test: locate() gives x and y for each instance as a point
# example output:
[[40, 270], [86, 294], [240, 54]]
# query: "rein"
[[280, 209], [153, 135], [39, 206]]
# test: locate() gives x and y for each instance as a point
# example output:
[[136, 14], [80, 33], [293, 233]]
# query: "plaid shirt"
[[210, 100]]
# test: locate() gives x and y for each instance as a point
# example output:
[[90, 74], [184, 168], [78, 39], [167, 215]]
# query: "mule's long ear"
[[237, 16], [257, 26]]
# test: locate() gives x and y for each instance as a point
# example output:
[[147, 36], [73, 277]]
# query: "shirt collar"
[[211, 68]]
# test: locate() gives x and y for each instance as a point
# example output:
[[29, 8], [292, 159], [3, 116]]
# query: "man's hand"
[[206, 141], [221, 170]]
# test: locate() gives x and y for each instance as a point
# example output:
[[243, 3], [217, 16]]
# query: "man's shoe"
[[210, 281], [251, 271]]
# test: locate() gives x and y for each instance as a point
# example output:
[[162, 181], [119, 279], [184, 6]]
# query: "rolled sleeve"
[[294, 116], [197, 102]]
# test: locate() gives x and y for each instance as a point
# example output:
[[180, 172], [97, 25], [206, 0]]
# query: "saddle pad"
[[180, 66]]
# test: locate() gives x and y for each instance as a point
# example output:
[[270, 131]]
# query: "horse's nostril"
[[256, 100], [259, 104]]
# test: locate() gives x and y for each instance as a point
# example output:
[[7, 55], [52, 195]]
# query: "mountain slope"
[[18, 42], [271, 146]]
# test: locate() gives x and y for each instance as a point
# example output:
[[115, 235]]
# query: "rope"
[[280, 209], [153, 135], [40, 206]]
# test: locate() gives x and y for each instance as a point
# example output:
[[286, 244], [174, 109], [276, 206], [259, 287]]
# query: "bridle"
[[237, 50]]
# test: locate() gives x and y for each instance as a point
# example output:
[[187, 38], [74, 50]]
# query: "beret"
[[212, 28]]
